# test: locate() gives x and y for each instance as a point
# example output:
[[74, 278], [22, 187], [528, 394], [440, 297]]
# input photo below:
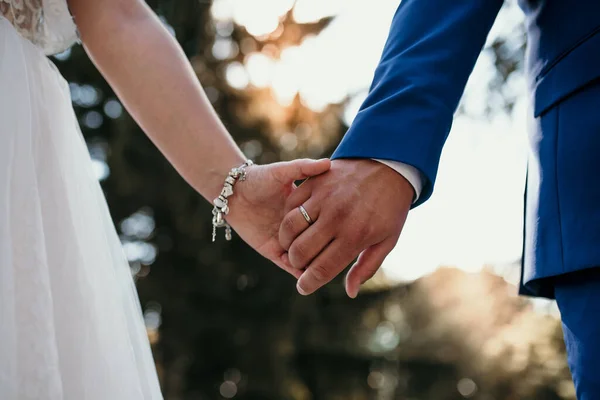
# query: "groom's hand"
[[357, 208]]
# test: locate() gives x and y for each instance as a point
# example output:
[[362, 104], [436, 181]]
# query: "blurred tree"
[[227, 324]]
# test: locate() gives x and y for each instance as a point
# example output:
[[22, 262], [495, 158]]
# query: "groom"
[[388, 160]]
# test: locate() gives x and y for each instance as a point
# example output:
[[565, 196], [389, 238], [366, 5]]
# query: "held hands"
[[358, 209], [257, 208]]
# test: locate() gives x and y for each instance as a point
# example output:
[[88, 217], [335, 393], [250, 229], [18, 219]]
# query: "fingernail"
[[352, 294], [300, 290]]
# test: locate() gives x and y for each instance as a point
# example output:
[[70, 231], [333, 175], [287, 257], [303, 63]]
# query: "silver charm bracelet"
[[221, 204]]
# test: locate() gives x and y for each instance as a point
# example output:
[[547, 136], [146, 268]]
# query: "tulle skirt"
[[70, 319]]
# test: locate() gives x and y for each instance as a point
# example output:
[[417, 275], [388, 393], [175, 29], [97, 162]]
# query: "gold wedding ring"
[[305, 215]]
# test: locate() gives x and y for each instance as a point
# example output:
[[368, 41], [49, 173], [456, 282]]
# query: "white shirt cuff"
[[410, 173]]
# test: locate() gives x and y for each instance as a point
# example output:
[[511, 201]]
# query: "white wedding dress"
[[70, 320]]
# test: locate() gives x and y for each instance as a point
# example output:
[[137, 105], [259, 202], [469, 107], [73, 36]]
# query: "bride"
[[70, 320]]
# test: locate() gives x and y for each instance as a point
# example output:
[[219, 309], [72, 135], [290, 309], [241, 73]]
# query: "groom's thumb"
[[367, 265], [301, 169]]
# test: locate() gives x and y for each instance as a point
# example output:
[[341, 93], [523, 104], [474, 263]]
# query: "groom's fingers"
[[281, 261], [301, 169], [367, 265], [310, 244], [294, 223], [325, 267], [296, 273]]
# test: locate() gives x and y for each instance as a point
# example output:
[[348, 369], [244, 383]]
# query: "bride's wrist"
[[213, 179]]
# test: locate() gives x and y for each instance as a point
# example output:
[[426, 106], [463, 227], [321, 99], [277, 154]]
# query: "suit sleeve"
[[429, 54]]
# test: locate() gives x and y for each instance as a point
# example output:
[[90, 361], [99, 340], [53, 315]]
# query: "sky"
[[475, 216]]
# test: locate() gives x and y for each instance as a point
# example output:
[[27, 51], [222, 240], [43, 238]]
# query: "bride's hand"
[[257, 206]]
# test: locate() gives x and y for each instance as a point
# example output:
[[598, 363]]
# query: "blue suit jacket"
[[430, 53]]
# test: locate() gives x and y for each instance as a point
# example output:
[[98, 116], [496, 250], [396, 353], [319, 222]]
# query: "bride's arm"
[[152, 77]]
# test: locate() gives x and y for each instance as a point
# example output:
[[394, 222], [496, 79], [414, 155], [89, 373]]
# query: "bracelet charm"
[[221, 204]]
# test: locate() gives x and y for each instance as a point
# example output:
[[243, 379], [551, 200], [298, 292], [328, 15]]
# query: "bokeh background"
[[440, 321]]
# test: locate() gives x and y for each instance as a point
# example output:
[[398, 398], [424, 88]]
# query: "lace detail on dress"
[[24, 15], [46, 23]]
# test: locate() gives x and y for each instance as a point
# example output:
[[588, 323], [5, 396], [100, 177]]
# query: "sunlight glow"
[[224, 48], [259, 17], [287, 73], [236, 76], [307, 11], [260, 69]]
